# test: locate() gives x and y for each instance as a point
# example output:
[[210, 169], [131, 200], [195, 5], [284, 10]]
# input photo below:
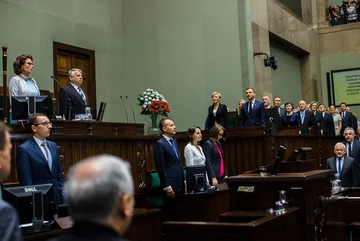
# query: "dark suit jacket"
[[9, 223], [327, 123], [309, 120], [212, 159], [221, 117], [168, 166], [86, 231], [33, 168], [77, 103], [257, 117], [294, 120], [355, 151], [347, 121], [349, 172]]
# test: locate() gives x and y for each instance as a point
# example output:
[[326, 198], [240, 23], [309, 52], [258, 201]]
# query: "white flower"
[[141, 98], [149, 103], [147, 89], [146, 99], [144, 93], [150, 98], [144, 106]]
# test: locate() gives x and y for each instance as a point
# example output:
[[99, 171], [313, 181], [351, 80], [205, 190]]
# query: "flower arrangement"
[[153, 103]]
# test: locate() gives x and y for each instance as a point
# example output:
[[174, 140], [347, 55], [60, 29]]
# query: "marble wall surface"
[[270, 18]]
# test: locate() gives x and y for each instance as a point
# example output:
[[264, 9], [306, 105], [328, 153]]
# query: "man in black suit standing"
[[253, 112], [280, 111], [344, 165], [169, 166], [9, 221], [352, 145], [347, 118], [327, 122], [307, 118], [73, 95]]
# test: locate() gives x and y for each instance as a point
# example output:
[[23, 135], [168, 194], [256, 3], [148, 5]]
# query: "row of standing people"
[[322, 120], [169, 164]]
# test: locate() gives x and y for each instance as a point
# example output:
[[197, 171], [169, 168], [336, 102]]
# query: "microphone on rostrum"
[[132, 110], [122, 100], [57, 81]]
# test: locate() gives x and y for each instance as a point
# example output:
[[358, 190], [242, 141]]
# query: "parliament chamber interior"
[[288, 76]]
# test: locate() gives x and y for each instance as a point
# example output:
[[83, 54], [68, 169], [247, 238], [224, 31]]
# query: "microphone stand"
[[127, 118], [69, 107], [132, 110]]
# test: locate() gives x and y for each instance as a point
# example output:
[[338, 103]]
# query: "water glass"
[[263, 171]]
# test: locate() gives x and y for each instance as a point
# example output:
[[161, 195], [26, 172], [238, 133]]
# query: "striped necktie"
[[82, 94], [48, 154]]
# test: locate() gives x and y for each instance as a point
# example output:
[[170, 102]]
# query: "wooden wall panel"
[[245, 149]]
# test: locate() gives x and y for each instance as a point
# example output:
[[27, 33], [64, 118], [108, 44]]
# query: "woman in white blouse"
[[193, 153]]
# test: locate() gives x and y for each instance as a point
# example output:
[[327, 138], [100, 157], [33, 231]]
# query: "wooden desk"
[[302, 189], [262, 226], [146, 225], [203, 206], [341, 215]]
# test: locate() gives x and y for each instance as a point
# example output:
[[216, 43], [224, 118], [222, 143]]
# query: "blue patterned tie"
[[48, 154], [339, 167], [174, 148]]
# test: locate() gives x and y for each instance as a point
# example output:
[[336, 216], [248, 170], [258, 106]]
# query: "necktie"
[[48, 154], [302, 117], [349, 149], [339, 167], [250, 107], [174, 148], [82, 94], [343, 115]]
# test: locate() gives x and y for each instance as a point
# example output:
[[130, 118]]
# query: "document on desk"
[[246, 189]]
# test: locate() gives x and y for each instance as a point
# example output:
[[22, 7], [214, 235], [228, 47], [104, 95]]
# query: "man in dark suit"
[[352, 145], [343, 165], [100, 190], [280, 111], [169, 166], [307, 118], [327, 122], [9, 221], [38, 160], [347, 118], [73, 95], [252, 112]]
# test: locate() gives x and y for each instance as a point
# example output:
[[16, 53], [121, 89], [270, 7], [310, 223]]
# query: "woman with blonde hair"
[[217, 112]]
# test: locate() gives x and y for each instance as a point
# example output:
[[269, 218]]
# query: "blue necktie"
[[174, 148], [48, 154], [339, 167], [302, 117]]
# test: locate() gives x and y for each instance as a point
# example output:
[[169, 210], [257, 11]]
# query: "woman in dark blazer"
[[290, 118], [214, 155], [217, 113]]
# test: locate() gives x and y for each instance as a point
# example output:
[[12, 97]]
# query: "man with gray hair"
[[100, 192], [343, 165], [73, 96]]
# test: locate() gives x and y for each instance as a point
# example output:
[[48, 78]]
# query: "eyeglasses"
[[46, 123]]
